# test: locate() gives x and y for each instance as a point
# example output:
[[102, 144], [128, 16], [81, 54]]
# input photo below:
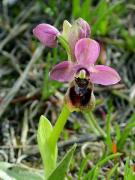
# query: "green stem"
[[94, 122], [59, 125], [65, 44]]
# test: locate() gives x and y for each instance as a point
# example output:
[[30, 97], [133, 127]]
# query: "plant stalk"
[[59, 125]]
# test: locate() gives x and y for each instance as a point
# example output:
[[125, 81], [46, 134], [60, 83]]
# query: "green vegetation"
[[26, 92]]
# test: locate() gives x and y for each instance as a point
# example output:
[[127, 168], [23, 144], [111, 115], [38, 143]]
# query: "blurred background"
[[26, 91]]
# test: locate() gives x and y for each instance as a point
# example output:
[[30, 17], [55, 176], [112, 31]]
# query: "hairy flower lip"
[[80, 98]]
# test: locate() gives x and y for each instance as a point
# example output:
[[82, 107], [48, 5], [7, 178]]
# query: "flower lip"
[[78, 98], [82, 82], [80, 95]]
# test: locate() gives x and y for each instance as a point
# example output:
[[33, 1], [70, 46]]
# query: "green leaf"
[[128, 171], [18, 172], [22, 174], [125, 134], [102, 18], [94, 171], [112, 171], [61, 169], [103, 24], [49, 87], [76, 8], [85, 14], [81, 9], [108, 130], [5, 165], [118, 132], [82, 167], [48, 153]]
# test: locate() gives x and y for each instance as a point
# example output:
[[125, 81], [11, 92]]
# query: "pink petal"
[[104, 75], [87, 51], [46, 34], [85, 28], [63, 71]]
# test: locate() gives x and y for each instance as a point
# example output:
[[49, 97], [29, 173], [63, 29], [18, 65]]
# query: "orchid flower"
[[84, 68], [81, 73], [86, 53], [48, 34]]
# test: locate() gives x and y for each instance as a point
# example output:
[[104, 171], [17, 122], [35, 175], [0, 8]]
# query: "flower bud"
[[72, 33], [85, 28], [46, 34], [66, 29]]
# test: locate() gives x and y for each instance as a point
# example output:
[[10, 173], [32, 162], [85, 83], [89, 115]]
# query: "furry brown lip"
[[80, 93]]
